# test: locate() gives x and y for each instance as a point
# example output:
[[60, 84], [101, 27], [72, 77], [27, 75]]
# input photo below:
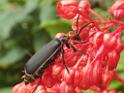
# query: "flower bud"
[[117, 9], [67, 8]]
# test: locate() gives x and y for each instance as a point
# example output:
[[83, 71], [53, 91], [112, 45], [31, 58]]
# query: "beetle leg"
[[82, 28], [63, 60], [77, 21], [74, 48], [80, 42]]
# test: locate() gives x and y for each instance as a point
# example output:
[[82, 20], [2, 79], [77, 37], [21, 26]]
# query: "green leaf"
[[120, 69], [56, 26], [13, 55], [88, 91], [48, 13], [121, 62], [12, 16], [103, 3], [102, 13], [40, 38], [5, 90], [107, 3], [3, 4], [114, 84]]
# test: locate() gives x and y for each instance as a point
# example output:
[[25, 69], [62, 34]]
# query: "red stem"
[[97, 15], [118, 78]]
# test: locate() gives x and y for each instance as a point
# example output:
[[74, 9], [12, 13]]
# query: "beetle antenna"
[[77, 23], [82, 28]]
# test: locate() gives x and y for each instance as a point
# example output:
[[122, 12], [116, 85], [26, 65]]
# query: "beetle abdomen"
[[41, 60], [44, 54]]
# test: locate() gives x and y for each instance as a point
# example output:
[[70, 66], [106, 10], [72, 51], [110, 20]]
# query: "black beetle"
[[43, 58], [46, 55]]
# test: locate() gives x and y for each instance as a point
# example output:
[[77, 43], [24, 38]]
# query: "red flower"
[[117, 9], [84, 7], [67, 8], [92, 66]]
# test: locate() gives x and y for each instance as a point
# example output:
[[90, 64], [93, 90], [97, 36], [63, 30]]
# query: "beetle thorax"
[[62, 37]]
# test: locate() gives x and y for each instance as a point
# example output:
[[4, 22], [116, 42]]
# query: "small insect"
[[48, 53]]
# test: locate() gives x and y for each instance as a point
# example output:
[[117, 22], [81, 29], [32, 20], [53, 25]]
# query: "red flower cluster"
[[93, 66], [70, 8], [117, 9]]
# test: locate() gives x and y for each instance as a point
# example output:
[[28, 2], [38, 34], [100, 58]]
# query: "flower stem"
[[97, 15], [118, 78]]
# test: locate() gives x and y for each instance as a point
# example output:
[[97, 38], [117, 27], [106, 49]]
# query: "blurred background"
[[25, 26]]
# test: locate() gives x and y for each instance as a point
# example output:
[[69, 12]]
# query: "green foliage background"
[[25, 26]]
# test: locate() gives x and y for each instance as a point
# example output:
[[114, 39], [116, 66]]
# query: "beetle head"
[[72, 35], [60, 35]]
